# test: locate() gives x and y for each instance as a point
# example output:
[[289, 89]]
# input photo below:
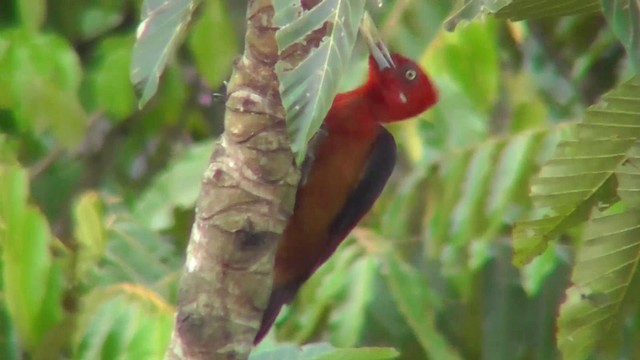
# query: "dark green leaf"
[[411, 293], [623, 17]]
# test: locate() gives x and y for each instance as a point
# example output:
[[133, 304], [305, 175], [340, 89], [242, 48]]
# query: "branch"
[[247, 195]]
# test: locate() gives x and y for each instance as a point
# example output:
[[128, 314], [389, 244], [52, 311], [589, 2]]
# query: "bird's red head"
[[401, 87], [397, 86]]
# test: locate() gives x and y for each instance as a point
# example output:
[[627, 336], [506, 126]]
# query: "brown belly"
[[335, 173]]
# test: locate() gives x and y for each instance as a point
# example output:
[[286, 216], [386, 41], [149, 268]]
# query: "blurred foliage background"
[[96, 196]]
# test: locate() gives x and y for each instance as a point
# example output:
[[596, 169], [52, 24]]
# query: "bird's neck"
[[356, 112]]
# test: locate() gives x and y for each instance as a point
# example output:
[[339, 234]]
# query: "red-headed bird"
[[351, 165]]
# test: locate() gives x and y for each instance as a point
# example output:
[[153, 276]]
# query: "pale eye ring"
[[410, 74]]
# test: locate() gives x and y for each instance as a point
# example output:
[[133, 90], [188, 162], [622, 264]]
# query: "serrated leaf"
[[628, 176], [520, 9], [158, 37], [623, 17], [411, 294], [579, 176], [606, 261], [308, 88]]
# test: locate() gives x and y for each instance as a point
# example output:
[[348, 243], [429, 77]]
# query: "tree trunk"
[[247, 195]]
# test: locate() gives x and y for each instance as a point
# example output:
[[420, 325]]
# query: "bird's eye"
[[410, 74]]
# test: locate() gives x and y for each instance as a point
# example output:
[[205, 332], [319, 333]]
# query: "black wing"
[[379, 167], [374, 177]]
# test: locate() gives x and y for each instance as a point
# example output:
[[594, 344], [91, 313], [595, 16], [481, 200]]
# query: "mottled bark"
[[247, 195]]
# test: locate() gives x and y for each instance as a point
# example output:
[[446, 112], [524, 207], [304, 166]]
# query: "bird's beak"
[[376, 45]]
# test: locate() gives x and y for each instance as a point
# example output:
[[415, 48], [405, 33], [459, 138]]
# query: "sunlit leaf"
[[309, 86], [579, 176], [606, 261], [158, 37]]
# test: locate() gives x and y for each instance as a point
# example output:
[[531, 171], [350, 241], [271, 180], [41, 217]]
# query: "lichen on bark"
[[247, 195]]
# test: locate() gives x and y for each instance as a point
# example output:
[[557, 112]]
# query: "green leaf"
[[158, 37], [372, 353], [176, 187], [534, 9], [478, 78], [308, 87], [409, 27], [410, 292], [32, 282], [536, 272], [579, 176], [318, 295], [32, 13], [349, 321], [111, 86], [123, 322], [623, 17], [323, 351], [480, 187], [135, 254], [84, 21], [606, 261], [213, 58], [42, 82], [520, 9], [89, 232]]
